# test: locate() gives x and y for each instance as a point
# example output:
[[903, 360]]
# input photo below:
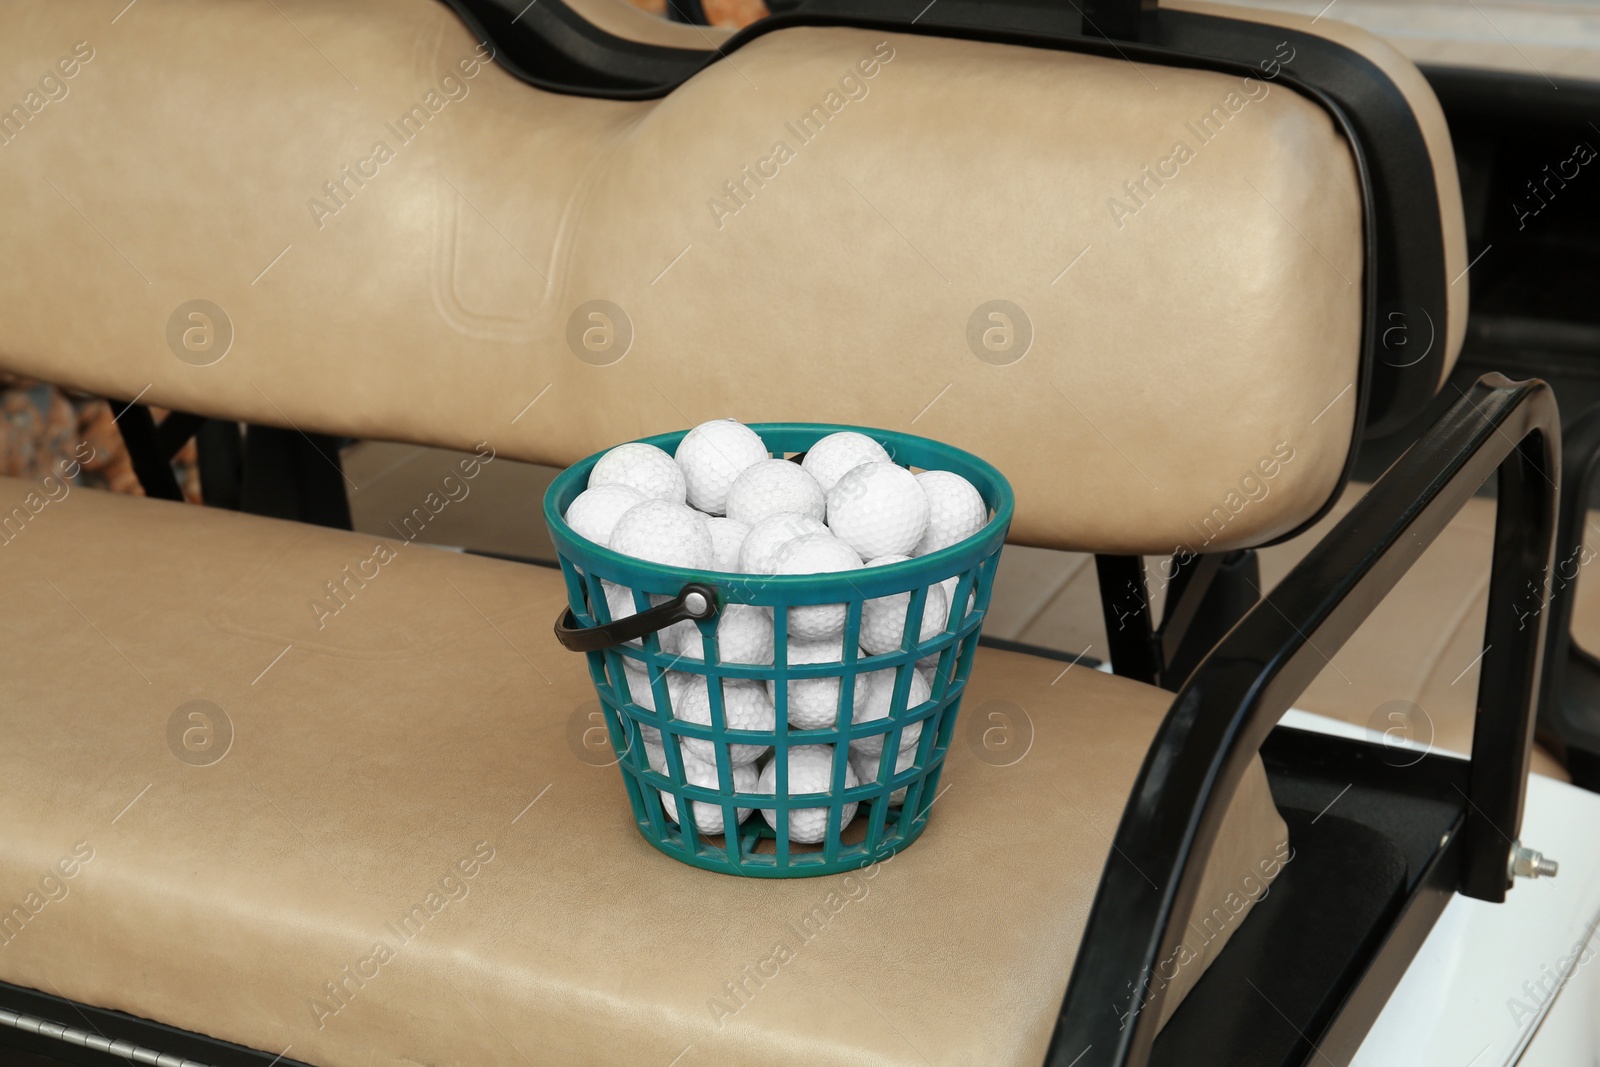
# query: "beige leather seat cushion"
[[427, 724], [1421, 645]]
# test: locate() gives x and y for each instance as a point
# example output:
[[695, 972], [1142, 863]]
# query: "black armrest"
[[1224, 712]]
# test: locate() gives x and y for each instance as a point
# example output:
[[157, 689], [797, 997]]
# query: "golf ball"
[[712, 455], [830, 458], [818, 553], [878, 509], [773, 486], [645, 467], [956, 511], [810, 770]]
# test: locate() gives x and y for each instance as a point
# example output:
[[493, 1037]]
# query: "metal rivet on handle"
[[695, 603]]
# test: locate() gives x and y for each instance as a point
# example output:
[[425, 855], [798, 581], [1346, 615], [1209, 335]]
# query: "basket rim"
[[843, 585]]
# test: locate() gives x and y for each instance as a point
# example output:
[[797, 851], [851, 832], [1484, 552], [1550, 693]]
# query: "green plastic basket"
[[881, 827]]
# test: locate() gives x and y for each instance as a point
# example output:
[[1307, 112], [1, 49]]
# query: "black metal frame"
[[1206, 595], [282, 474], [1228, 708], [151, 459]]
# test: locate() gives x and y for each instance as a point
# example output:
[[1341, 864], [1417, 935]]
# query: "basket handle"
[[695, 601]]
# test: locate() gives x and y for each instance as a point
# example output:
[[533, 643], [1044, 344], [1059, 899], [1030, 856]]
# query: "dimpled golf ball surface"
[[866, 768], [956, 511], [708, 817], [640, 693], [761, 544], [814, 702], [830, 458], [744, 635], [663, 532], [712, 455], [745, 706], [818, 553], [878, 509], [727, 537], [883, 620], [810, 771], [879, 702], [771, 487], [645, 467], [596, 511]]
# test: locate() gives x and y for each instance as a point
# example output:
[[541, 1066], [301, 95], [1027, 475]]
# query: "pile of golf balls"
[[723, 503]]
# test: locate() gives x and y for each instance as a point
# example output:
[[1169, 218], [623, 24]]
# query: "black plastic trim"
[[548, 45]]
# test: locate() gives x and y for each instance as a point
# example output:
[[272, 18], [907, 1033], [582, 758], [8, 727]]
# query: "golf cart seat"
[[428, 771], [390, 749]]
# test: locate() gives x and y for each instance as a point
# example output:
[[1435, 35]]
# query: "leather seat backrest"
[[1138, 290], [1419, 254]]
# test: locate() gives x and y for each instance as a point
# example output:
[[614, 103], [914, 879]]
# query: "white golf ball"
[[663, 532], [745, 706], [950, 585], [727, 537], [956, 511], [641, 693], [818, 553], [744, 635], [866, 768], [810, 770], [878, 509], [883, 620], [771, 487], [595, 512], [645, 467], [830, 458], [712, 455], [708, 817], [880, 699], [766, 537], [813, 703]]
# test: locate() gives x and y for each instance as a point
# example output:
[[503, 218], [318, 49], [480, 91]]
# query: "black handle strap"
[[695, 602]]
